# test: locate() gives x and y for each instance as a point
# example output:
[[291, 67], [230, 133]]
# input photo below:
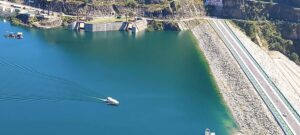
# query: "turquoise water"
[[160, 78]]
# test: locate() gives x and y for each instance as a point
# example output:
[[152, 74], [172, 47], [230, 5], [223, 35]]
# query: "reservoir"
[[49, 81]]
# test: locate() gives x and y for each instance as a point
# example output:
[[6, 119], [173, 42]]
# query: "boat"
[[19, 35], [208, 132], [10, 35], [111, 101]]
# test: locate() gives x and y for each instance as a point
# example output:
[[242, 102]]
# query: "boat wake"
[[22, 83]]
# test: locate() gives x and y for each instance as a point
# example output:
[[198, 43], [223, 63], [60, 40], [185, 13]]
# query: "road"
[[265, 2], [281, 111], [8, 5]]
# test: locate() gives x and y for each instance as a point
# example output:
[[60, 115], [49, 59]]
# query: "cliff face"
[[290, 30], [75, 7], [190, 8], [147, 8], [287, 10], [253, 10]]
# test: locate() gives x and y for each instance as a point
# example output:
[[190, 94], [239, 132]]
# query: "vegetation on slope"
[[268, 34], [23, 20], [155, 25]]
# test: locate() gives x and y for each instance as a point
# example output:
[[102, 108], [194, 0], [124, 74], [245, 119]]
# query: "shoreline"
[[236, 90], [235, 128], [219, 93]]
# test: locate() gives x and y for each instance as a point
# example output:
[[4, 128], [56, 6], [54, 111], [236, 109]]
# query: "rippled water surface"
[[49, 78]]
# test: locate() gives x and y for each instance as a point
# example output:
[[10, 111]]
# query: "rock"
[[247, 108]]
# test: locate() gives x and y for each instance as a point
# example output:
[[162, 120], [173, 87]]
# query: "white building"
[[7, 10]]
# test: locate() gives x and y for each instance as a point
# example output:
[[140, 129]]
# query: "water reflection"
[[137, 35]]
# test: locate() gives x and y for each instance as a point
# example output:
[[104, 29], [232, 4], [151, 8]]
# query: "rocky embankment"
[[282, 71], [246, 106], [48, 23]]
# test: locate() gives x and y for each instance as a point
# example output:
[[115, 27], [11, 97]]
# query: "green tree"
[[295, 57]]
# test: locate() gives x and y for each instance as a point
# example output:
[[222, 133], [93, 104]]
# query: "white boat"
[[19, 35], [208, 132], [111, 101]]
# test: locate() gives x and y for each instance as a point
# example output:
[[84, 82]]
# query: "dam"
[[135, 26]]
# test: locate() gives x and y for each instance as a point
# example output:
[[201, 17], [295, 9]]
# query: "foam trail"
[[99, 99], [31, 86], [31, 71], [36, 98]]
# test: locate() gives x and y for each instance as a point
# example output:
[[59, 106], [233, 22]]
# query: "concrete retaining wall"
[[6, 12], [114, 26], [139, 25]]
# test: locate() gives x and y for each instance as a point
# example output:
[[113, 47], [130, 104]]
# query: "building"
[[9, 10]]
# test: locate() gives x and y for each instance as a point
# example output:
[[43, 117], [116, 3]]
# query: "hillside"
[[278, 36], [148, 8], [272, 23]]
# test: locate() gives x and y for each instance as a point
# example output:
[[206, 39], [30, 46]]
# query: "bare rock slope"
[[282, 71], [247, 108]]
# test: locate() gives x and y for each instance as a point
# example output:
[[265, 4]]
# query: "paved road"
[[8, 5], [284, 112], [266, 2]]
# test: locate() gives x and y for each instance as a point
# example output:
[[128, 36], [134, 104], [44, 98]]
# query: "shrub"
[[131, 3], [271, 33], [294, 56]]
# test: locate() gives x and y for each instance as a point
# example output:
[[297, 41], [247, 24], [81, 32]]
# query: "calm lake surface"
[[49, 78]]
